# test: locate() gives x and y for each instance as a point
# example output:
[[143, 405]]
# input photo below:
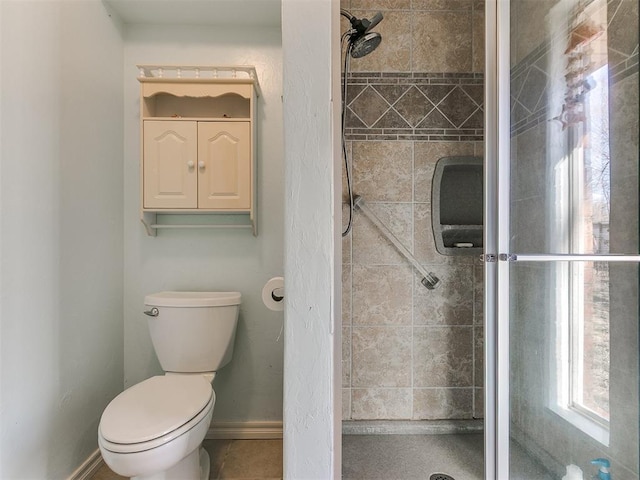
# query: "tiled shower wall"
[[409, 352]]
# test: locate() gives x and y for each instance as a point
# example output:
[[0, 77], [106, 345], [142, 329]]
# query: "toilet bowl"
[[154, 429], [157, 426]]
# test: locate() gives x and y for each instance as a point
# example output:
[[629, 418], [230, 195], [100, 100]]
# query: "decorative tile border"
[[624, 69], [415, 106], [529, 82]]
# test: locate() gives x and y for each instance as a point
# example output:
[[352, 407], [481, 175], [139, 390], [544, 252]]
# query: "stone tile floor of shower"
[[417, 457], [364, 457]]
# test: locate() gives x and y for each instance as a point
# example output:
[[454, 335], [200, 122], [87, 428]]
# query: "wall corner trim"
[[245, 430], [89, 467]]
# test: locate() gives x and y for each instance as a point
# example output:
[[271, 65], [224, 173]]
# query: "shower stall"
[[412, 317], [534, 340]]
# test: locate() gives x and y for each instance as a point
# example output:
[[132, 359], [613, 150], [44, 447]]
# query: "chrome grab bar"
[[429, 280]]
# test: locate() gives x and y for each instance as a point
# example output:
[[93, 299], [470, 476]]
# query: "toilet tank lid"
[[192, 299]]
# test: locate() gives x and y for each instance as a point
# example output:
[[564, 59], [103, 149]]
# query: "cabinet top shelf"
[[196, 119], [199, 74]]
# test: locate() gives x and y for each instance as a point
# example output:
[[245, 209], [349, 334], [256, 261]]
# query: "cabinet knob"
[[201, 164], [191, 164]]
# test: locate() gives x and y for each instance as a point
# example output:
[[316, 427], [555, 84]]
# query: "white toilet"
[[154, 430]]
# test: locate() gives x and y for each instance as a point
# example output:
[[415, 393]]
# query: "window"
[[580, 356], [589, 281]]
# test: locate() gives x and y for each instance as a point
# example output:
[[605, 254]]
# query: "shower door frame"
[[496, 347], [498, 255]]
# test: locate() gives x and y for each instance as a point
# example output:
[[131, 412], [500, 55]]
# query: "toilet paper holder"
[[277, 294], [273, 294]]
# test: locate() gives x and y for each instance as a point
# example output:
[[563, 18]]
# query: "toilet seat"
[[155, 412]]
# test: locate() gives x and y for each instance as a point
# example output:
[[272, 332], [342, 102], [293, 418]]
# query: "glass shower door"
[[564, 229]]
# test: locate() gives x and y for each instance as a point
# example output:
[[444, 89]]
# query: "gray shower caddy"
[[457, 205]]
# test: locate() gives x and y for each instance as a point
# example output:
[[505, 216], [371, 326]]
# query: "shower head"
[[375, 20], [365, 44], [361, 40]]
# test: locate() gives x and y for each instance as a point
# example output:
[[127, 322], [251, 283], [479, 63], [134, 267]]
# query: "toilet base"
[[205, 464], [194, 466]]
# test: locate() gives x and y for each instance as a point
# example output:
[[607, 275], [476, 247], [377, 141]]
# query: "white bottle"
[[573, 473]]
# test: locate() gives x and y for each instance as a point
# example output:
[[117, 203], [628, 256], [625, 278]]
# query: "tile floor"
[[364, 457], [408, 457], [233, 460], [416, 457]]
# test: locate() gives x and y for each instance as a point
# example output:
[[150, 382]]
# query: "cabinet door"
[[224, 165], [169, 166]]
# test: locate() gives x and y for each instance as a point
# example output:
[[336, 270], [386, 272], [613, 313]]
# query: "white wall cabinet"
[[198, 147], [169, 164], [224, 165]]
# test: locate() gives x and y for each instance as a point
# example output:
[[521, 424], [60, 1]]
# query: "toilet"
[[154, 429]]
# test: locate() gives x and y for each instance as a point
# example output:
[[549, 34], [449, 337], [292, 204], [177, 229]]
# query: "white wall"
[[250, 387], [61, 232], [312, 400], [64, 239]]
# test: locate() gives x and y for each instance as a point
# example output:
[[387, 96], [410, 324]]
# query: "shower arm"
[[346, 14], [429, 280], [353, 31], [361, 26]]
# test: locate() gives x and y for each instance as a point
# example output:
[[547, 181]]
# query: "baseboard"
[[89, 467], [410, 427], [245, 430]]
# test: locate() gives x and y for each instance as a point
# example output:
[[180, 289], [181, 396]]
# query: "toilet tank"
[[193, 331]]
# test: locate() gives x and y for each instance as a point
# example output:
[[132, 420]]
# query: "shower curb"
[[411, 427]]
